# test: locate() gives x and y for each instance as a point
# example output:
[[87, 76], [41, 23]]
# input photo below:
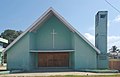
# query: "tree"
[[114, 52], [10, 35], [114, 49]]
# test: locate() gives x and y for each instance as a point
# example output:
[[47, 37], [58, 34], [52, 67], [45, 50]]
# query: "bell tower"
[[101, 38]]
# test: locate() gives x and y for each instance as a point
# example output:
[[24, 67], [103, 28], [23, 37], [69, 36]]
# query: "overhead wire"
[[112, 6]]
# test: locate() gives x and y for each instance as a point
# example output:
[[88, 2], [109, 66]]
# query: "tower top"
[[102, 12]]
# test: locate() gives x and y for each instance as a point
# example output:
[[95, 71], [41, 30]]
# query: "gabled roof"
[[45, 15]]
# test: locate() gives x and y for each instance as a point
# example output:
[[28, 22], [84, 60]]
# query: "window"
[[102, 16]]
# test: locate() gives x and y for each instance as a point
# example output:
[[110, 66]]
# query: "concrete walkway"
[[39, 73], [57, 73]]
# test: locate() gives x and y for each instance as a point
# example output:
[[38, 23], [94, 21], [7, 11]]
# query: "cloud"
[[114, 21], [117, 19], [108, 23], [92, 28], [112, 40], [90, 37]]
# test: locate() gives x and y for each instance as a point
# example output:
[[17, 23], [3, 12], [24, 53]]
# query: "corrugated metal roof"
[[3, 40]]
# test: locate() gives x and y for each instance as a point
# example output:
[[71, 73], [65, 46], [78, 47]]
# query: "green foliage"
[[114, 52], [114, 49], [10, 35]]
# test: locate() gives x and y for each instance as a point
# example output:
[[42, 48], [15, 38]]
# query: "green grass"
[[69, 76]]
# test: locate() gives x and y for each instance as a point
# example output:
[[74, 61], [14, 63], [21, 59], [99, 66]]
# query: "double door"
[[53, 59]]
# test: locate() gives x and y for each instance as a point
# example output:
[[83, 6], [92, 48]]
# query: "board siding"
[[53, 59]]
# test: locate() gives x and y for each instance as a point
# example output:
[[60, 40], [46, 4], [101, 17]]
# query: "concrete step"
[[53, 70]]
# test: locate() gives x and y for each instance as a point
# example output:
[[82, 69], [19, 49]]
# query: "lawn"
[[69, 76]]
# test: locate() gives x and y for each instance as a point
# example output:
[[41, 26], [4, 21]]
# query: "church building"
[[51, 42]]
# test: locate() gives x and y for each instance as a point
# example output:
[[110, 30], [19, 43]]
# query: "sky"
[[20, 14]]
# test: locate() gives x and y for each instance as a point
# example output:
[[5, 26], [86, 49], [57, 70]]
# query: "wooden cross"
[[53, 37]]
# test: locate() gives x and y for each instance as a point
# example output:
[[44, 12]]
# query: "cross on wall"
[[53, 38]]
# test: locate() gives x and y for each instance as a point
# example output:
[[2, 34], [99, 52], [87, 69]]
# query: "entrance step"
[[53, 70]]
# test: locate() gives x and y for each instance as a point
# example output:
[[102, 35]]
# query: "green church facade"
[[51, 34]]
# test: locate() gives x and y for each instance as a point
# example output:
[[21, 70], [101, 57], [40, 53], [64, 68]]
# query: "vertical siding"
[[62, 38], [85, 55], [32, 40], [72, 60], [41, 39], [33, 61], [18, 55]]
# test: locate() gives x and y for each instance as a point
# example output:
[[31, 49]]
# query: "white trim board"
[[52, 50]]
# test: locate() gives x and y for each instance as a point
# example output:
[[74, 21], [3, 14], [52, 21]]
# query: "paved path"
[[54, 73], [57, 73]]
